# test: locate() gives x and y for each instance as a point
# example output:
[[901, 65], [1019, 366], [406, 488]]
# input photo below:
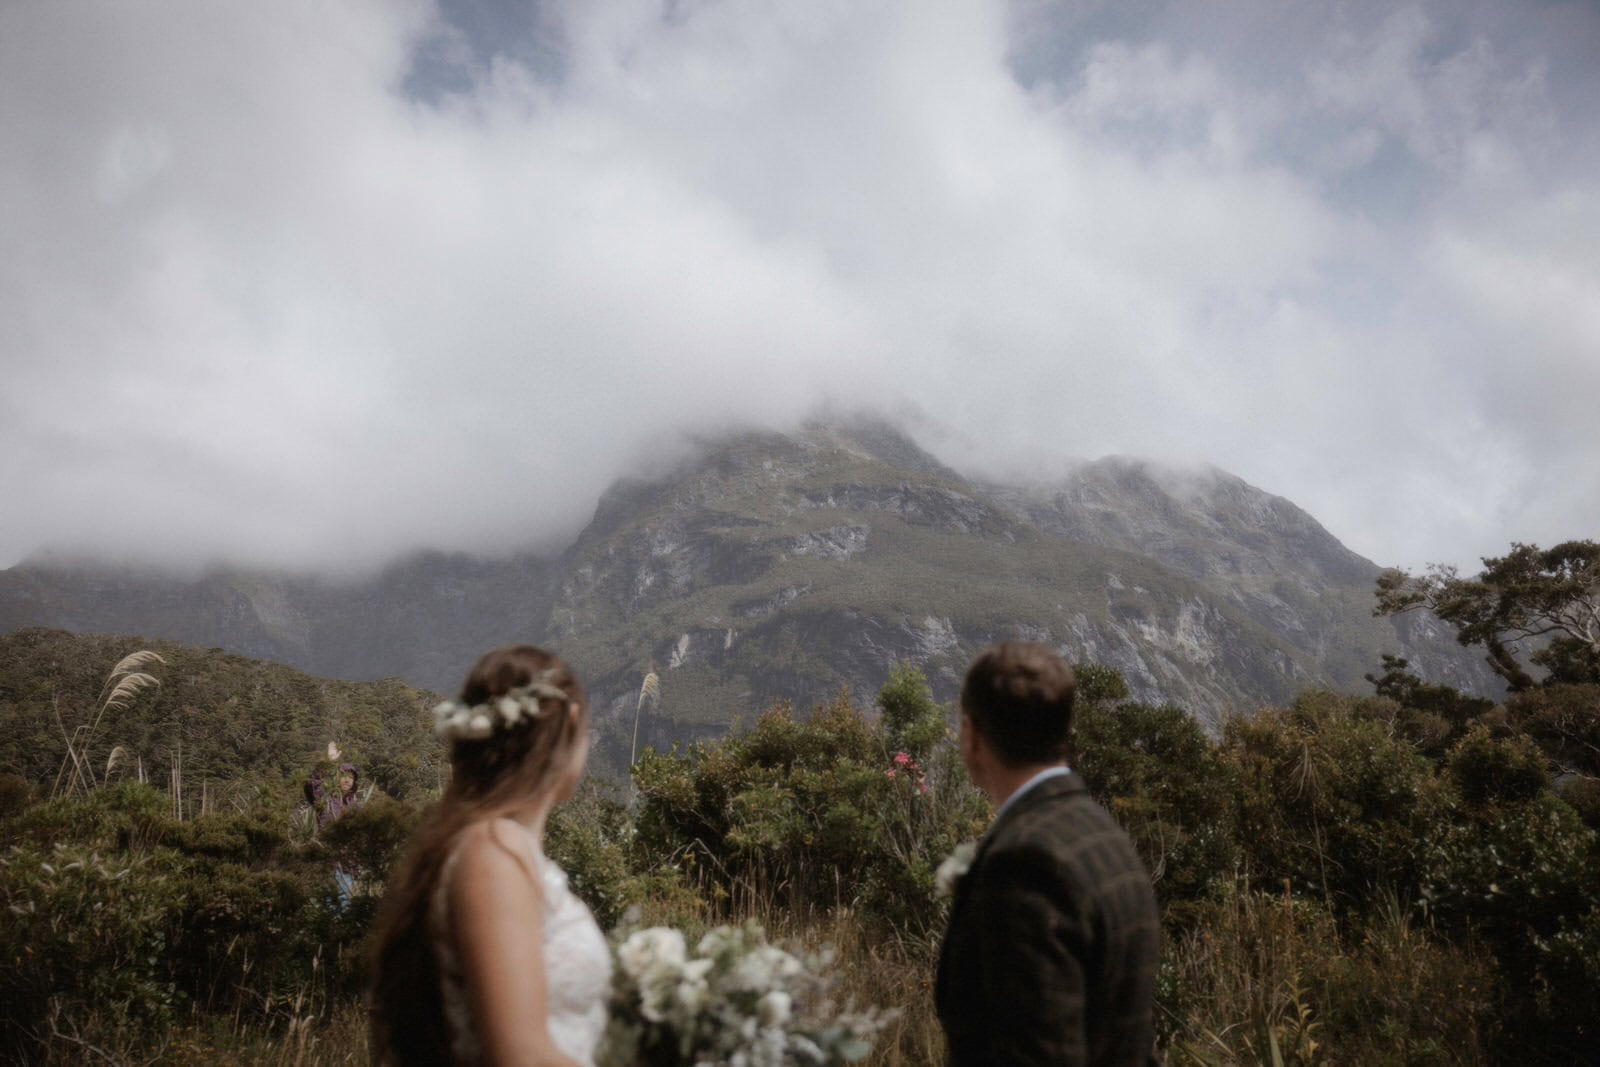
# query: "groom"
[[1051, 951]]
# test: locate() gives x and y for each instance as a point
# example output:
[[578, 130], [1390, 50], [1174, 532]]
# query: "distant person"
[[335, 805], [481, 954], [1053, 941]]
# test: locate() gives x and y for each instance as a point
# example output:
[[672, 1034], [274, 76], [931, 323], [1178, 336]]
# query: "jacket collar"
[[1051, 788]]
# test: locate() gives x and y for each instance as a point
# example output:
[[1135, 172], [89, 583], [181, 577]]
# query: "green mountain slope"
[[771, 566], [225, 720]]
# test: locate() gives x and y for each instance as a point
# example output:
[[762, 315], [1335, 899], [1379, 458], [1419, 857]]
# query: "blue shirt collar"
[[1043, 776]]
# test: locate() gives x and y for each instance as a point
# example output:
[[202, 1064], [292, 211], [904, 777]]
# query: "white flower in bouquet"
[[738, 1001], [764, 965], [773, 1008], [653, 950], [720, 940], [693, 991]]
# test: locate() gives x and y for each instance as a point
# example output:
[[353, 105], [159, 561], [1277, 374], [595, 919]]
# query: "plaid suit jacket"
[[1051, 950]]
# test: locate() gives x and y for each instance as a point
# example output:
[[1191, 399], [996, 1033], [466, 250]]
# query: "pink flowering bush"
[[812, 814]]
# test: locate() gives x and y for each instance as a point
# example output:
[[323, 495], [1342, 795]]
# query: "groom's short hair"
[[1019, 696]]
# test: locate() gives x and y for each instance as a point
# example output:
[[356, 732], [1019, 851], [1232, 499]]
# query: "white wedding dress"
[[577, 964]]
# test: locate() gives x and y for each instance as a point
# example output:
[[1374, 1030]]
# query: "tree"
[[1543, 604], [1432, 717], [913, 719]]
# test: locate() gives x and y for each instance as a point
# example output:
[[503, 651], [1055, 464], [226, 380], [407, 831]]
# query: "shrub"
[[1488, 770], [1098, 684], [87, 925], [1430, 716], [116, 909], [913, 721], [1154, 768], [1330, 802], [16, 794], [113, 818], [368, 841], [1564, 721], [1523, 877], [812, 814], [1266, 971], [590, 837]]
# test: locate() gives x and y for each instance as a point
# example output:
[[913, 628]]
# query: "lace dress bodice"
[[577, 964]]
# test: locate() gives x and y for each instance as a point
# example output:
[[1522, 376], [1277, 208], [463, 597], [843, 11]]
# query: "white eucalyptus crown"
[[455, 721]]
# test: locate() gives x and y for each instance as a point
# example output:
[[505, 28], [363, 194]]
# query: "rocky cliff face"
[[786, 566]]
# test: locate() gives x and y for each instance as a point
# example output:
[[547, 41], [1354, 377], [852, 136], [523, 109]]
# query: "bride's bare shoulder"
[[494, 853]]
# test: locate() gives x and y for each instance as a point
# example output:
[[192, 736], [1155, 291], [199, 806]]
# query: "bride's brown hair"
[[492, 776]]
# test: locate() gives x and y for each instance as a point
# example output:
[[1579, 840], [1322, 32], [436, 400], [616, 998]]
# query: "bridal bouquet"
[[735, 1001]]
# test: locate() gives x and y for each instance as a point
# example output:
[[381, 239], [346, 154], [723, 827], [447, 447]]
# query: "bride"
[[481, 954]]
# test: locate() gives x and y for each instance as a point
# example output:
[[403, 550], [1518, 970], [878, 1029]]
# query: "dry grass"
[[1272, 979], [1266, 979]]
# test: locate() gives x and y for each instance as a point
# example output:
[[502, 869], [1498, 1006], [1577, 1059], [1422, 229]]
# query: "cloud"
[[318, 286]]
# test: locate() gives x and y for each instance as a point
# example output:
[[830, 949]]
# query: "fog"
[[315, 285]]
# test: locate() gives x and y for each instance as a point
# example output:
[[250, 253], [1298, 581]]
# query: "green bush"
[[1156, 770], [85, 925], [1262, 969], [913, 721], [1523, 877], [16, 795], [1099, 684], [1564, 721], [117, 817], [1330, 802], [590, 836], [1430, 716], [368, 841], [1486, 770], [116, 909], [811, 815], [1583, 794]]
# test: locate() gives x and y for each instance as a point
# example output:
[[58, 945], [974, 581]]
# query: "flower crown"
[[455, 721]]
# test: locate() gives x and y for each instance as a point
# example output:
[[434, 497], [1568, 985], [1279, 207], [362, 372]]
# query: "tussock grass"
[[1270, 978]]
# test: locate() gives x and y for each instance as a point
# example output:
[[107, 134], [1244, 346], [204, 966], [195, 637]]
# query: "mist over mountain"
[[783, 566]]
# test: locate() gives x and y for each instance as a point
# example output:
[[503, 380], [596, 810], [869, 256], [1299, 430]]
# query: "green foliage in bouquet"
[[736, 999]]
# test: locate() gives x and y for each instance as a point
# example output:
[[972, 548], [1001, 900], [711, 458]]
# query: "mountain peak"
[[763, 565]]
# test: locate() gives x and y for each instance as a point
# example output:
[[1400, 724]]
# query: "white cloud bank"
[[257, 301]]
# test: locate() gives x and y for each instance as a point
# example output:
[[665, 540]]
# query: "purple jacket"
[[332, 806]]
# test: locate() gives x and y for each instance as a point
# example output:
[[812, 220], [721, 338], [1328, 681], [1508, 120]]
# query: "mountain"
[[783, 566]]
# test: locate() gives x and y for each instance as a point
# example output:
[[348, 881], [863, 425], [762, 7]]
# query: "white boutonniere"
[[954, 867]]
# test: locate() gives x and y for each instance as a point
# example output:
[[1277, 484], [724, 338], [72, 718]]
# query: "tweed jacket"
[[1051, 950]]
